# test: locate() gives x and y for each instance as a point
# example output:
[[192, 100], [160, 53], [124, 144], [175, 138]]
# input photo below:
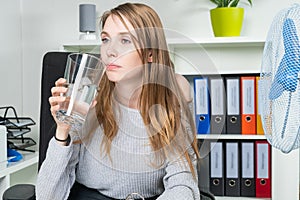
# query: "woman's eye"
[[125, 41], [104, 40]]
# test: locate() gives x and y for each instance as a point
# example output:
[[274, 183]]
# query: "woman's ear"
[[150, 59]]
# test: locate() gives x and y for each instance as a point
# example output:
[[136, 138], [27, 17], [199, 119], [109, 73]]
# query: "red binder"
[[248, 105], [263, 169]]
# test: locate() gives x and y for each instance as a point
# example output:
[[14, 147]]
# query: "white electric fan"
[[279, 91]]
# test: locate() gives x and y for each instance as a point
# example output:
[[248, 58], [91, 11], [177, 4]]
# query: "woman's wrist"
[[65, 141], [62, 135]]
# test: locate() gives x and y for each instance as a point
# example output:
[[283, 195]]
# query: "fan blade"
[[286, 78]]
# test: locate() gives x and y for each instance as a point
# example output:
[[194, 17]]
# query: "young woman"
[[139, 136]]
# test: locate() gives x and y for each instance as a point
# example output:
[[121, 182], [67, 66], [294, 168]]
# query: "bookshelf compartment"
[[234, 55]]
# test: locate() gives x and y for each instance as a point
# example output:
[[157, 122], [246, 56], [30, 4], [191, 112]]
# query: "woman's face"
[[119, 52]]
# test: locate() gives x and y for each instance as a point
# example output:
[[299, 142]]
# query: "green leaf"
[[224, 3], [250, 2], [217, 2], [228, 3], [233, 3]]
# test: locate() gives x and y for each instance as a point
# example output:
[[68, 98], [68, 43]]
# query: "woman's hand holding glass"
[[57, 99], [82, 76]]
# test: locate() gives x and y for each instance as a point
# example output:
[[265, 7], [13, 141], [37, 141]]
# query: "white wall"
[[11, 92]]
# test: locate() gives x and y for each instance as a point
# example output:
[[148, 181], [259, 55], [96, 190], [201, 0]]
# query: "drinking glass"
[[83, 74]]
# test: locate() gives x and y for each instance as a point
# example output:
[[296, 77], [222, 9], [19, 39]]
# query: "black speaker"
[[87, 18]]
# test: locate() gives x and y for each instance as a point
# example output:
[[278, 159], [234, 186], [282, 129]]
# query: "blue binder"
[[202, 105]]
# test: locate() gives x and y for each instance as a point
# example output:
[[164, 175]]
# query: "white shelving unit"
[[232, 55], [7, 170]]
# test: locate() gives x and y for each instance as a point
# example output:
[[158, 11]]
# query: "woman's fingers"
[[55, 100], [94, 103], [60, 82], [54, 109], [60, 87], [57, 91], [58, 100]]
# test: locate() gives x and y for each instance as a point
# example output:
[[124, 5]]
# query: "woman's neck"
[[128, 95]]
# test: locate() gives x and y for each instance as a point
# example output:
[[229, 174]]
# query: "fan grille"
[[279, 98]]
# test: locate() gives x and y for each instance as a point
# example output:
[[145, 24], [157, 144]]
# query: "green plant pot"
[[227, 22]]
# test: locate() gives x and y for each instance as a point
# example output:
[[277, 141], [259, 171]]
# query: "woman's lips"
[[112, 67]]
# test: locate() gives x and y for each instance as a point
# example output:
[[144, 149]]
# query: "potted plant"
[[227, 18]]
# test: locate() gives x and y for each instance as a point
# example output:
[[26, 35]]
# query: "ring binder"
[[202, 105], [232, 178], [263, 169], [247, 169], [216, 171], [218, 106], [248, 104], [233, 115]]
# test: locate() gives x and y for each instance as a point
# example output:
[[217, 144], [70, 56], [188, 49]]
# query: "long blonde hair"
[[168, 128]]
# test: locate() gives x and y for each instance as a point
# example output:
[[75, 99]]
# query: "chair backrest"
[[53, 68]]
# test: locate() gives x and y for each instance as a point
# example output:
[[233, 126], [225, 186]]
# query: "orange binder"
[[259, 127], [248, 105]]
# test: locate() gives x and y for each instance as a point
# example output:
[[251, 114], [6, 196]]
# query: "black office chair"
[[52, 68]]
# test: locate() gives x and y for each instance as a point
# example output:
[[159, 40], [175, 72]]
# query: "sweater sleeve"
[[179, 182], [57, 173]]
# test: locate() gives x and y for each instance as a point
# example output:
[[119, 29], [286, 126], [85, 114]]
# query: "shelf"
[[94, 45], [28, 160], [230, 137], [82, 46], [79, 43], [216, 42], [240, 198]]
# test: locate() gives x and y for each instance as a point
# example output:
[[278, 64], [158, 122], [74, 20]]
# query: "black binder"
[[216, 169], [233, 115], [247, 169], [232, 177], [203, 165]]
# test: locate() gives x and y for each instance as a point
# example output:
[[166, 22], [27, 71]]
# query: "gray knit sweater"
[[131, 167]]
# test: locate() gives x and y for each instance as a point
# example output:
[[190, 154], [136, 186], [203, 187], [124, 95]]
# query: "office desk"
[[6, 170]]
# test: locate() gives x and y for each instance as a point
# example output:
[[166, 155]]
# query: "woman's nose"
[[111, 50]]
